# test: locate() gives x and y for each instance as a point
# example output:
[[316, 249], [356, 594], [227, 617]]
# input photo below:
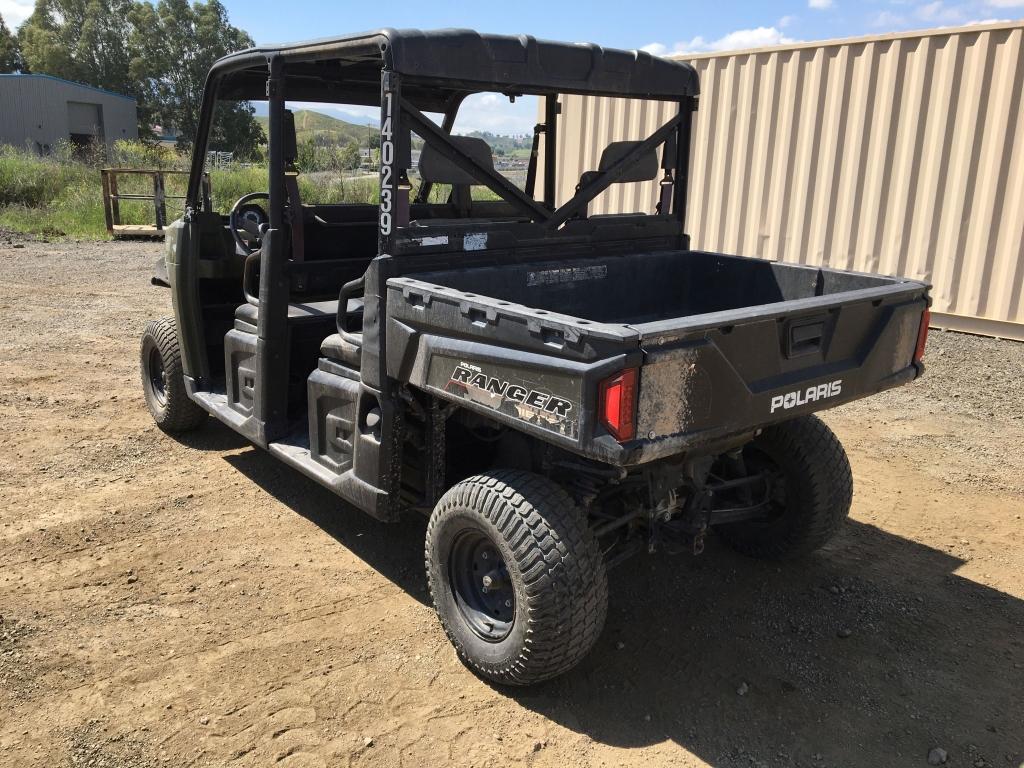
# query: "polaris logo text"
[[464, 374], [805, 396]]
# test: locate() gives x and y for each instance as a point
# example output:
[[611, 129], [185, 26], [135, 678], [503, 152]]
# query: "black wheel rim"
[[481, 586], [157, 376]]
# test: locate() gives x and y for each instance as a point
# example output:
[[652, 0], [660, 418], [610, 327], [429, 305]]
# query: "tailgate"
[[728, 372]]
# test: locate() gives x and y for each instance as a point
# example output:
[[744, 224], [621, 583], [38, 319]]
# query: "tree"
[[173, 45], [350, 157], [10, 51], [80, 40]]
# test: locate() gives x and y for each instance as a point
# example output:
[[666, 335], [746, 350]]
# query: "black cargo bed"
[[639, 289], [724, 344]]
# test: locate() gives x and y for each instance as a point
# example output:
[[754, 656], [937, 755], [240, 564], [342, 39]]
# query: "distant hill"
[[323, 128]]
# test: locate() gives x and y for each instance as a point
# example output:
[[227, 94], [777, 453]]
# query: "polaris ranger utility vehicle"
[[555, 390]]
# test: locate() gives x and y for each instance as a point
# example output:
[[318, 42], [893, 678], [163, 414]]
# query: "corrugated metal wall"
[[901, 154], [34, 111]]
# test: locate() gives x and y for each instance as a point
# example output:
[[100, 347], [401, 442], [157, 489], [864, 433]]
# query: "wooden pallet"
[[136, 230], [112, 200]]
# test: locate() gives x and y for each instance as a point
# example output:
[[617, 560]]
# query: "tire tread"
[[179, 413], [564, 580], [824, 496]]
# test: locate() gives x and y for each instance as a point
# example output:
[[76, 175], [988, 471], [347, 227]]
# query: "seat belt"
[[665, 197], [667, 183], [291, 184]]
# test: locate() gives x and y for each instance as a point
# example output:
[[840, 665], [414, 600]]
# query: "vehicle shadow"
[[393, 550], [871, 652], [212, 436]]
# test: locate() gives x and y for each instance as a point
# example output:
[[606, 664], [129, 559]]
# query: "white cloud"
[[15, 11], [655, 49], [887, 20], [1006, 3], [938, 12], [819, 5], [493, 112], [785, 21], [759, 37]]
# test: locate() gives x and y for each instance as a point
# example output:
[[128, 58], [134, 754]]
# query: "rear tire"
[[548, 594], [817, 491], [163, 379]]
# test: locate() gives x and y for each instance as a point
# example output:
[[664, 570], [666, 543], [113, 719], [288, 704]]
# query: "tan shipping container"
[[900, 154]]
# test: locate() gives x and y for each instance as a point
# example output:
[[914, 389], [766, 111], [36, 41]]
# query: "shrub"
[[139, 154], [32, 181]]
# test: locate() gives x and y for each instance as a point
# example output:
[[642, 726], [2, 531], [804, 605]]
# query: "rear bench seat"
[[345, 350], [301, 313], [334, 347]]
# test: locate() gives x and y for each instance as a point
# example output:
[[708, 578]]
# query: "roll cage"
[[406, 73]]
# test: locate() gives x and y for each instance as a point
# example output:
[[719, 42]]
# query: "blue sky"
[[655, 25], [674, 25], [669, 25]]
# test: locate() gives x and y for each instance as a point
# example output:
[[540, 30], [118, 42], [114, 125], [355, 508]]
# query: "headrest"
[[644, 169], [440, 170]]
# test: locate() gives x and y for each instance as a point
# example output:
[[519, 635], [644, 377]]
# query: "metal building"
[[896, 154], [37, 111]]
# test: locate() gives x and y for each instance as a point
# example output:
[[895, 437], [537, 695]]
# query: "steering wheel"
[[249, 218]]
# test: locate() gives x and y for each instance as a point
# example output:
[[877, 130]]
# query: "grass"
[[49, 197], [60, 196]]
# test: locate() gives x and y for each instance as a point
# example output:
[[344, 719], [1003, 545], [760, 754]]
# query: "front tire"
[[163, 379], [811, 501], [516, 576]]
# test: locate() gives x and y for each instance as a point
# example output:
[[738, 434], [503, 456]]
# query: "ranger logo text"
[[493, 385]]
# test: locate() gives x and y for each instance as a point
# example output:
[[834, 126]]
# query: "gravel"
[[15, 663], [968, 375], [966, 413], [225, 620]]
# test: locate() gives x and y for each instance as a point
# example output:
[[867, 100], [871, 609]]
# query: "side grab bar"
[[349, 290], [252, 261]]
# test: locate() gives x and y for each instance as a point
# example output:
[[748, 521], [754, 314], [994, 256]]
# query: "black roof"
[[458, 60]]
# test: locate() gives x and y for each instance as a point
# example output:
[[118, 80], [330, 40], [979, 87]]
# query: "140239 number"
[[387, 158]]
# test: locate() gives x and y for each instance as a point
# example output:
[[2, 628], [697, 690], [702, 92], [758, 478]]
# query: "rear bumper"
[[721, 437]]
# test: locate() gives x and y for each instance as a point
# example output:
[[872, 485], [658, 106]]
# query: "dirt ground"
[[196, 603]]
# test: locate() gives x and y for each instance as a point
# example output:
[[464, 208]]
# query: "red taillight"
[[922, 336], [617, 404]]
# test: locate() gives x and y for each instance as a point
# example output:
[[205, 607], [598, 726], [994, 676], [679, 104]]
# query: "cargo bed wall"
[[724, 344], [647, 287]]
